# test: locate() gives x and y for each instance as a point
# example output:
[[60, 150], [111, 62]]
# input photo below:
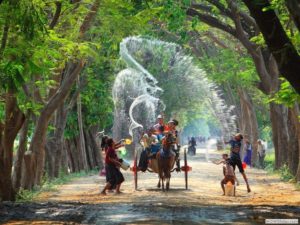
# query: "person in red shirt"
[[104, 148], [112, 167]]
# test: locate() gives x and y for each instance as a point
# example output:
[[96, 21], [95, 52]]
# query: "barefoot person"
[[229, 175], [235, 159], [104, 148], [225, 161], [112, 166]]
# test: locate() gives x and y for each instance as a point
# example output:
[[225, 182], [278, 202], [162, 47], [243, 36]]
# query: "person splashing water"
[[235, 159]]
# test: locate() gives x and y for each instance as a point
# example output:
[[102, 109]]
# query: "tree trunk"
[[93, 150], [89, 150], [18, 165], [294, 116], [265, 65], [64, 160], [284, 52], [14, 120], [83, 152], [55, 143], [293, 147], [96, 148], [278, 115], [72, 162], [294, 9], [249, 122], [36, 154], [232, 101], [49, 158]]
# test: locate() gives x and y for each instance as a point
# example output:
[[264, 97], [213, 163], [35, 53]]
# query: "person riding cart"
[[160, 158], [171, 129], [159, 128], [151, 147]]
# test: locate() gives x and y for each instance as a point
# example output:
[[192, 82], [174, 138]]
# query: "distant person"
[[112, 167], [248, 150], [192, 146], [261, 151], [193, 141], [235, 159]]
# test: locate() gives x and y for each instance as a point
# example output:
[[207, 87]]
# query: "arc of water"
[[127, 57], [146, 85], [145, 98]]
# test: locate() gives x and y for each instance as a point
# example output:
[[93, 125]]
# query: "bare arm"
[[118, 146], [219, 162]]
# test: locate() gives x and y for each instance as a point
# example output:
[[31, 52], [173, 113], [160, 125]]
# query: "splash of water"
[[151, 104], [209, 146], [169, 62]]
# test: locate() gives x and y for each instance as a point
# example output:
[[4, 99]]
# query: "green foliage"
[[26, 195], [283, 172], [286, 95], [196, 128], [223, 67], [279, 6], [259, 40], [108, 32], [270, 162]]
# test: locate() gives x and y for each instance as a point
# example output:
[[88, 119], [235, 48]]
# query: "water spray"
[[209, 145]]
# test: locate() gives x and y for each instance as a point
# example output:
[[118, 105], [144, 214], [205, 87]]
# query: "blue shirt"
[[235, 146]]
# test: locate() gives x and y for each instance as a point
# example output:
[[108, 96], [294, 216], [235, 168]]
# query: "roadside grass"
[[51, 185], [283, 172]]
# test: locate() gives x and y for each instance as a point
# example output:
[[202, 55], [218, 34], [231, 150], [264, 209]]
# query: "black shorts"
[[235, 160], [113, 175]]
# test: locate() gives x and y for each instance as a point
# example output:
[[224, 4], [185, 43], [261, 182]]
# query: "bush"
[[283, 172], [26, 195], [270, 162]]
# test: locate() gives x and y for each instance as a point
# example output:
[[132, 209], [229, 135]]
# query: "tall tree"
[[71, 72], [284, 52]]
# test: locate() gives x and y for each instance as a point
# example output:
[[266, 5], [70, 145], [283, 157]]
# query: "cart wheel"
[[186, 170], [135, 171]]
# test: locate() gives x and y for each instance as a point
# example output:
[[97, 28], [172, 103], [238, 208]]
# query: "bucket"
[[125, 165], [229, 189]]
